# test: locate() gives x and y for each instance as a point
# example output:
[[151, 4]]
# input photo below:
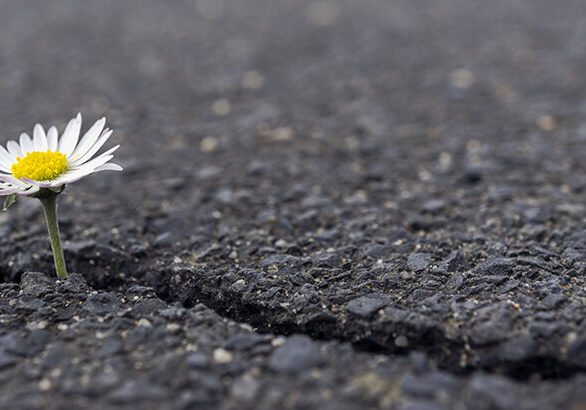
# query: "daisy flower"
[[41, 166], [46, 161]]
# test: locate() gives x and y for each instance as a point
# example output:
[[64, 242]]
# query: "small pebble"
[[253, 80], [173, 327], [461, 78], [209, 144], [546, 123], [322, 13], [222, 356], [401, 341], [144, 322], [221, 107], [45, 385]]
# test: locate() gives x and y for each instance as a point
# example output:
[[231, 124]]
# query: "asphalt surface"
[[325, 204]]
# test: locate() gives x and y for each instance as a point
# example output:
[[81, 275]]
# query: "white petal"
[[52, 138], [34, 182], [6, 160], [90, 153], [26, 144], [89, 138], [33, 189], [12, 180], [73, 177], [70, 136], [7, 156], [9, 191], [94, 163], [39, 138], [68, 174], [13, 148], [109, 167]]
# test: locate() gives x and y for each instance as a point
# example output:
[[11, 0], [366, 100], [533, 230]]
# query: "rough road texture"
[[328, 204]]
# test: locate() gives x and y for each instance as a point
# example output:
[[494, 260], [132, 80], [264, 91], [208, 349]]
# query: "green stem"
[[50, 206]]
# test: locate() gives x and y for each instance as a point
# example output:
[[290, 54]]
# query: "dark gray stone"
[[6, 360], [543, 329], [432, 384], [101, 303], [375, 250], [418, 261], [434, 206], [197, 361], [493, 392], [165, 239], [36, 284], [225, 196], [517, 349], [496, 266], [298, 354], [150, 306], [57, 355], [75, 283], [110, 348], [38, 339], [31, 303], [553, 301], [280, 259], [366, 306], [455, 281], [141, 290], [24, 263], [327, 260], [211, 252], [419, 295], [15, 344], [493, 323], [455, 262], [577, 352], [246, 341], [136, 392], [80, 247], [422, 404]]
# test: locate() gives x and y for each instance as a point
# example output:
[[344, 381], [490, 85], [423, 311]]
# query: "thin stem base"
[[49, 201]]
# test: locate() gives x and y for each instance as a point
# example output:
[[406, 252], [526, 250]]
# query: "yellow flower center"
[[40, 166]]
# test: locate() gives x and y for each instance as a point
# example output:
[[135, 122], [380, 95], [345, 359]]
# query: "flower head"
[[46, 161]]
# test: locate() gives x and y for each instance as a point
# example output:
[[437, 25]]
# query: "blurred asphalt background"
[[167, 74]]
